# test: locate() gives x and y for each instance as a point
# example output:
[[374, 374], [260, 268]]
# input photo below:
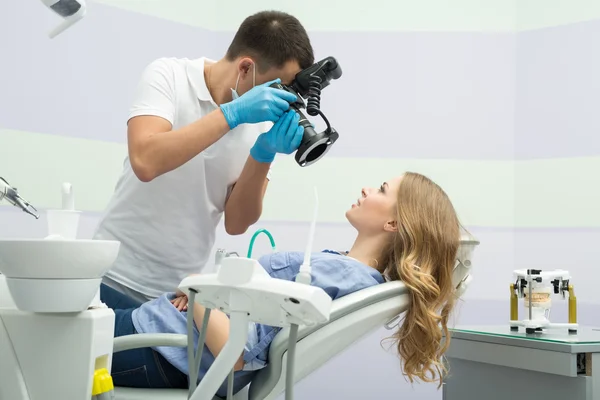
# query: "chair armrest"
[[140, 340]]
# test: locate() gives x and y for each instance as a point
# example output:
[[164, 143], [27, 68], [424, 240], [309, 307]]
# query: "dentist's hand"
[[284, 137], [260, 104]]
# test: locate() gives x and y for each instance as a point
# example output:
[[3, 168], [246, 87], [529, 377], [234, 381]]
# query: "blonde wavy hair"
[[422, 254]]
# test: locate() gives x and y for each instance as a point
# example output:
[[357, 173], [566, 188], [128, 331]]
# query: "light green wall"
[[535, 14], [479, 200], [376, 15], [558, 192], [537, 193], [36, 164], [339, 15]]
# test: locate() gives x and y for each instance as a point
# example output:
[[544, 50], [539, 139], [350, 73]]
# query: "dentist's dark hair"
[[273, 38]]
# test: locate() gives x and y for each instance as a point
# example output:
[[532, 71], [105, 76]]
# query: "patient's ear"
[[391, 226]]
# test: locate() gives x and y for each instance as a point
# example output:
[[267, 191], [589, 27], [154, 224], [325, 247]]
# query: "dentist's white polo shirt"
[[167, 226]]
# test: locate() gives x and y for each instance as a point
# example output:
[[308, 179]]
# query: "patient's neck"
[[368, 249]]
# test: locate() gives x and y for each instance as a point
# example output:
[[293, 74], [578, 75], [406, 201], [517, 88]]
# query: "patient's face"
[[374, 208]]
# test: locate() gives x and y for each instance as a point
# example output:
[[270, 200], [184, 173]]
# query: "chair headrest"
[[464, 264]]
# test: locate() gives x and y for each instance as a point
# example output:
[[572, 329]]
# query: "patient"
[[407, 230]]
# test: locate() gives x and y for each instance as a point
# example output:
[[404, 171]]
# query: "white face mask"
[[234, 92]]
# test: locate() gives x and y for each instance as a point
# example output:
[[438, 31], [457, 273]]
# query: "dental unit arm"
[[242, 289], [11, 195]]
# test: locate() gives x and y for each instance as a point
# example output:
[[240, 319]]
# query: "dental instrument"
[[303, 277], [70, 11], [56, 337], [10, 194], [244, 290], [305, 269], [536, 287]]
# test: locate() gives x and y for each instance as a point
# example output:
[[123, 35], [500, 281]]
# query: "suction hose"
[[258, 232]]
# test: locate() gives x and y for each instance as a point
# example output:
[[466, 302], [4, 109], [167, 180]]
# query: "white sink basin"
[[54, 276], [57, 259]]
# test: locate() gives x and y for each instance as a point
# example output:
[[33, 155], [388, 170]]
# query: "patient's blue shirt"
[[336, 274]]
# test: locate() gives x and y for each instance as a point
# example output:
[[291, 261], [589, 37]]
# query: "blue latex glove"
[[260, 104], [284, 137]]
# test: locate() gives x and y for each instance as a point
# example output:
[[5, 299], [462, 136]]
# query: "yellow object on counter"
[[102, 382], [514, 304], [572, 305]]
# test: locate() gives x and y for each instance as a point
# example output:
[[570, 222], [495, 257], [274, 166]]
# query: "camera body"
[[308, 84]]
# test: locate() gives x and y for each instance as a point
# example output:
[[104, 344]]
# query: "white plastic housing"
[[57, 259], [62, 224], [463, 286], [68, 21], [53, 295], [55, 275], [270, 301], [464, 263], [547, 276], [53, 356], [245, 291]]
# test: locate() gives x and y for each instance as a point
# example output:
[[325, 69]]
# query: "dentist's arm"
[[244, 205], [155, 148]]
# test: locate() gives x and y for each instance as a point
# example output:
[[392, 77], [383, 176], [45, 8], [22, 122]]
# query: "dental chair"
[[352, 317]]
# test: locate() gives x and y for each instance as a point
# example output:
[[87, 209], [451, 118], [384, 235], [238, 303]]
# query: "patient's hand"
[[180, 302], [179, 293]]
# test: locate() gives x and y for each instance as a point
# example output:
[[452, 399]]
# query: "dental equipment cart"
[[495, 363]]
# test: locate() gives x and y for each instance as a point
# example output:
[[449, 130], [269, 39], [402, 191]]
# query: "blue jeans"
[[146, 368], [138, 368], [115, 299]]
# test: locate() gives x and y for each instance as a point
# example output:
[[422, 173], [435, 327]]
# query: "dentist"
[[201, 137]]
